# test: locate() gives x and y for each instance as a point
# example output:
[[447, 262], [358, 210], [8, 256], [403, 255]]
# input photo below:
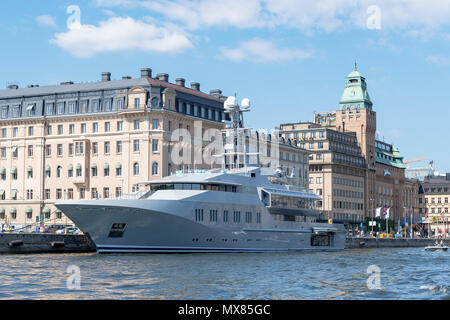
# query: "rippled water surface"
[[409, 273]]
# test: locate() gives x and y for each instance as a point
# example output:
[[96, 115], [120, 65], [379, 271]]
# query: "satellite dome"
[[230, 103], [245, 104]]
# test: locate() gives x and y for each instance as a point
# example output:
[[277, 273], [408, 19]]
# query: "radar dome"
[[245, 104], [230, 103]]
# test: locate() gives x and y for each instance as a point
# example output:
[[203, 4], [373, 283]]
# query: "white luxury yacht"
[[231, 209]]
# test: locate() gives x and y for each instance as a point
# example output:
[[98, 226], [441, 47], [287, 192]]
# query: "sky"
[[290, 57]]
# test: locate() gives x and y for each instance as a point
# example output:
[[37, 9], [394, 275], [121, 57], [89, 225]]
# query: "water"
[[408, 273]]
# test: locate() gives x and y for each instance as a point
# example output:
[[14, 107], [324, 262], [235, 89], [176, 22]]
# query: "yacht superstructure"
[[236, 208]]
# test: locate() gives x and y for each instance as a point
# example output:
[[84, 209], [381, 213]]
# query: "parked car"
[[68, 230]]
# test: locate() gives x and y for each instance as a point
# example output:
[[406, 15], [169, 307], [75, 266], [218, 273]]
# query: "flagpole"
[[373, 209]]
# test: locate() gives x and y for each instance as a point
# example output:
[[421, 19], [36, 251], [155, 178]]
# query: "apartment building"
[[93, 140], [435, 203], [350, 169]]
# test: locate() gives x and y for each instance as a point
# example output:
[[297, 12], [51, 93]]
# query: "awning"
[[106, 166], [2, 170], [30, 107], [78, 166], [30, 168], [46, 210], [70, 168], [14, 149], [94, 166], [2, 210], [14, 170], [324, 230], [47, 168], [2, 192], [118, 166], [13, 193], [28, 210], [13, 210]]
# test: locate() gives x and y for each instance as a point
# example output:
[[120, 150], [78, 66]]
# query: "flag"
[[384, 212], [387, 213], [443, 217], [377, 212], [426, 215]]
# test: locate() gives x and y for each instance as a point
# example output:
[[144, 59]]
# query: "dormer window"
[[31, 110]]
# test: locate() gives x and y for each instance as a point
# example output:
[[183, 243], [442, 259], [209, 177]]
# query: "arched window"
[[155, 168], [59, 172], [136, 169]]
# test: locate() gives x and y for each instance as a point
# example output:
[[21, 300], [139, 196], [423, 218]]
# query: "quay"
[[372, 242], [28, 243], [20, 243]]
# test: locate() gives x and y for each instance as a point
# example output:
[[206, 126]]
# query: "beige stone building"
[[336, 169], [435, 201], [93, 140], [350, 169]]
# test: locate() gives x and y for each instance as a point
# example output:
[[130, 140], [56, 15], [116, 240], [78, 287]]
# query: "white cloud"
[[121, 34], [328, 15], [261, 51], [45, 21]]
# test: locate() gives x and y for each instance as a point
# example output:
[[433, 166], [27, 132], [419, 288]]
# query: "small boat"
[[437, 247]]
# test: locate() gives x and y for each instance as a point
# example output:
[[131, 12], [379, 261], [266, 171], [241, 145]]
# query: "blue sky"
[[289, 57]]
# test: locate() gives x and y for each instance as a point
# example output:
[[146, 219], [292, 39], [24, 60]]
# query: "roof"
[[394, 159], [159, 83], [70, 88], [100, 85], [355, 73]]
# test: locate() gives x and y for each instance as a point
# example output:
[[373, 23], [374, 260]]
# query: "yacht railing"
[[135, 196]]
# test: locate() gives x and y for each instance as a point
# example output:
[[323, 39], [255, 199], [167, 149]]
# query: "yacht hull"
[[147, 226]]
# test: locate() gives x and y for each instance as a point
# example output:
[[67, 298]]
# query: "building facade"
[[93, 140], [352, 171], [336, 169], [435, 204]]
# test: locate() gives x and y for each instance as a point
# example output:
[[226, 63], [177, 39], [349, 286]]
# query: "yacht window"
[[193, 186]]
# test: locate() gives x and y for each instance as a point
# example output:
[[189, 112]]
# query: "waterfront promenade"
[[372, 242]]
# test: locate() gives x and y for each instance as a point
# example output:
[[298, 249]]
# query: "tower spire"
[[356, 66]]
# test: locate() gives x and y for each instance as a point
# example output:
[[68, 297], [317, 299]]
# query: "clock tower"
[[355, 114]]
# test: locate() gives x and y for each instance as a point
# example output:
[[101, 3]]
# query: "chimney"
[[126, 78], [146, 73], [13, 87], [181, 82], [106, 76], [195, 86], [163, 77], [216, 93]]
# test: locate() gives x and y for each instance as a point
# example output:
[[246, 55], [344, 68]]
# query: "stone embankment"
[[353, 242], [45, 243]]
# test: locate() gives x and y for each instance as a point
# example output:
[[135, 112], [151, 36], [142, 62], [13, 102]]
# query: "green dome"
[[354, 74]]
